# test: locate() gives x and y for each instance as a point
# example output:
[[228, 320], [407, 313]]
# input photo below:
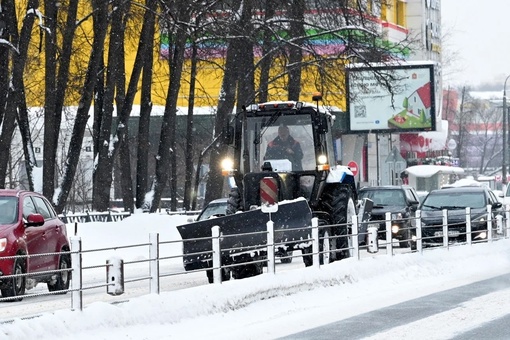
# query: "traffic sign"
[[354, 167]]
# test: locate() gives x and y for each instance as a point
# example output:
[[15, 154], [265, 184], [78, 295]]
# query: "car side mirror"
[[497, 205], [34, 220]]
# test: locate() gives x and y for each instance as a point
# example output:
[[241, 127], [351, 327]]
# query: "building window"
[[401, 12], [88, 149], [37, 150]]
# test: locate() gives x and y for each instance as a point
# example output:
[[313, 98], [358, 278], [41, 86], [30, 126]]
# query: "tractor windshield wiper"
[[265, 125]]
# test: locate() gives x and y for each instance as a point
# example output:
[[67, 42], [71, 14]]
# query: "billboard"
[[410, 106]]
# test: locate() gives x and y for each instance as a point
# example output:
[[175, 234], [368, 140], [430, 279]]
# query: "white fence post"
[[419, 234], [76, 281], [389, 238], [507, 220], [154, 262], [315, 242], [469, 230], [445, 228], [489, 223], [355, 236], [270, 247], [216, 256], [499, 225]]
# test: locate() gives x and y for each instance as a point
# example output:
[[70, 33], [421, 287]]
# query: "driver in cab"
[[284, 146]]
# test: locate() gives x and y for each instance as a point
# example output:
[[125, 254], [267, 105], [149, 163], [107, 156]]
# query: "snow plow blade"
[[292, 222]]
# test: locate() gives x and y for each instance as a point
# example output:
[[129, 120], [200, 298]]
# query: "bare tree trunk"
[[26, 139], [166, 150], [105, 166], [246, 84], [297, 30], [103, 175], [51, 128], [142, 171], [214, 187], [460, 146], [55, 88], [100, 16], [188, 193], [265, 63], [16, 91]]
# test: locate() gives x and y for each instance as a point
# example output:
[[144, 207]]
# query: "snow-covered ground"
[[266, 306]]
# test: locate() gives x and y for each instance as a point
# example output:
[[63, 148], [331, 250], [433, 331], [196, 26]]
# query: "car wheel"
[[61, 282], [16, 285], [287, 259]]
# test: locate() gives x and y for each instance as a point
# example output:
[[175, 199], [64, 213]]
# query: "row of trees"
[[272, 51], [476, 125]]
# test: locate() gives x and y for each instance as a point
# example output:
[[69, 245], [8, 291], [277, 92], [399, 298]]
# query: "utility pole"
[[503, 179]]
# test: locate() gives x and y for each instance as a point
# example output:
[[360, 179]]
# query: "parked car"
[[30, 226], [506, 195], [216, 207], [455, 200], [401, 201]]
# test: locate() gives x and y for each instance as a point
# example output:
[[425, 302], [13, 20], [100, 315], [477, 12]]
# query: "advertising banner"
[[388, 99]]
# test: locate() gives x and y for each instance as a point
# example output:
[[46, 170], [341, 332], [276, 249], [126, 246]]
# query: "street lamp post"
[[504, 132]]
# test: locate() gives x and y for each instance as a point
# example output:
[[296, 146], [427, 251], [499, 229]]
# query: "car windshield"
[[213, 209], [8, 210], [384, 196], [454, 200]]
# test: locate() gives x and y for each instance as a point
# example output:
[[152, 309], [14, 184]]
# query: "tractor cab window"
[[285, 144]]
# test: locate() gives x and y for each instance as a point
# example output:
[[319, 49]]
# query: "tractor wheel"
[[286, 259], [234, 201], [248, 270], [338, 202], [225, 275]]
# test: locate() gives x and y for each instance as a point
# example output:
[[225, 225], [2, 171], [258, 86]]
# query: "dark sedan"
[[455, 201], [399, 200]]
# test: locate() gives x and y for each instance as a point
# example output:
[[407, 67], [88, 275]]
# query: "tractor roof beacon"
[[311, 185]]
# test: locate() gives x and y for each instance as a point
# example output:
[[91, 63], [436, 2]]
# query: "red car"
[[30, 226]]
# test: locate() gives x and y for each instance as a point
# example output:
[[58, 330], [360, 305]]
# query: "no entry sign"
[[354, 167]]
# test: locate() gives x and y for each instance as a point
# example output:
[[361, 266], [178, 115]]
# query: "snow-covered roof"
[[431, 170], [464, 182]]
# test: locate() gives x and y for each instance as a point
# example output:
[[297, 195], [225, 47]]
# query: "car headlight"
[[395, 228], [3, 244]]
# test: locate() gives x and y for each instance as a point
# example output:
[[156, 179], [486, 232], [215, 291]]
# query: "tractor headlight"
[[227, 167], [322, 163]]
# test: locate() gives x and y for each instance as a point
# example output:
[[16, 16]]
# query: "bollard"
[[373, 245], [499, 223], [115, 276], [315, 242]]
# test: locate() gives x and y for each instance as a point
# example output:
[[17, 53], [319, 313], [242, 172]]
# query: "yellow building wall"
[[208, 80]]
